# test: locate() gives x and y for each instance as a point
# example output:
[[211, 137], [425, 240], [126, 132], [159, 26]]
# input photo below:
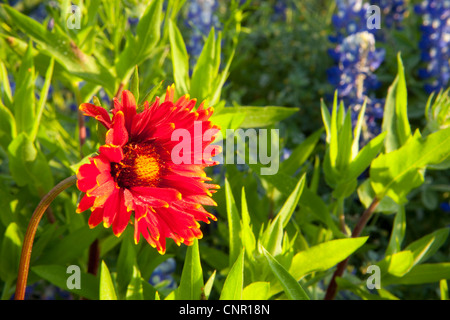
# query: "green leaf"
[[273, 235], [357, 130], [247, 235], [64, 50], [397, 264], [8, 129], [107, 291], [126, 264], [258, 290], [398, 232], [11, 248], [134, 86], [363, 159], [42, 99], [233, 286], [234, 224], [422, 273], [191, 283], [148, 33], [24, 98], [135, 290], [322, 257], [395, 119], [301, 153], [151, 94], [28, 165], [443, 287], [291, 287], [366, 196], [345, 142], [401, 103], [57, 275], [227, 121], [207, 68], [70, 247], [334, 130], [326, 117], [396, 173], [388, 125], [208, 286], [257, 117], [423, 248], [316, 206], [180, 60]]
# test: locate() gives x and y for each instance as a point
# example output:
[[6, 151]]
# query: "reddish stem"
[[25, 257], [332, 287]]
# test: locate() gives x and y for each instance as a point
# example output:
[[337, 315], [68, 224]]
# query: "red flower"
[[134, 174]]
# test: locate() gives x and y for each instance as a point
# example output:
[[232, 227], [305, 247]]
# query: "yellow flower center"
[[141, 166]]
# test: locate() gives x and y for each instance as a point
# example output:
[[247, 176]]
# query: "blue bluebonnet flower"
[[435, 43], [353, 77], [349, 19], [445, 206], [164, 272], [200, 19], [42, 290], [279, 10]]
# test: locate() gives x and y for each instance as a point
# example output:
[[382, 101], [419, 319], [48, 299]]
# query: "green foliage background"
[[277, 236]]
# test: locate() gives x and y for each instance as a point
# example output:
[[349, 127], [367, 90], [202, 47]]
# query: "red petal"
[[112, 153], [123, 215], [118, 134], [111, 208], [85, 203], [97, 112], [166, 194], [96, 217]]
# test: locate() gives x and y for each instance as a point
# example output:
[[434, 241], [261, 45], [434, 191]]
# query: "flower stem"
[[332, 287], [25, 257]]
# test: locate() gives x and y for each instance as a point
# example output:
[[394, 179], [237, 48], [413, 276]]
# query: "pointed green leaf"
[[397, 264], [291, 287], [135, 290], [107, 291], [256, 291], [180, 60], [134, 85], [396, 173], [42, 100], [321, 257], [422, 273], [423, 248], [11, 247], [24, 98], [398, 232], [208, 286], [233, 286], [247, 235], [191, 283], [207, 68], [443, 287], [401, 102], [234, 225], [273, 235]]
